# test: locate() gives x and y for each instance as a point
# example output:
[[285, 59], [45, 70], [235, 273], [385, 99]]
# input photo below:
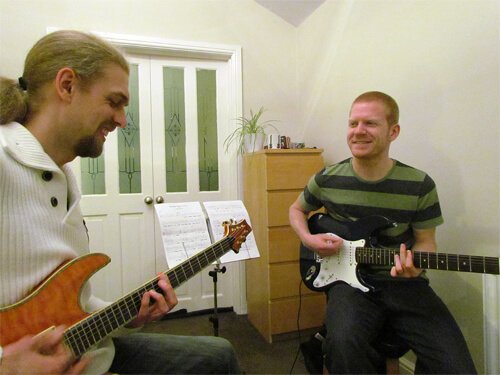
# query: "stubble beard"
[[89, 147]]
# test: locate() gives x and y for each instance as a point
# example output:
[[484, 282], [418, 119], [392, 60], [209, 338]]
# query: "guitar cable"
[[298, 327]]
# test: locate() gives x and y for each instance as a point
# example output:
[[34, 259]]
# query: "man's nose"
[[120, 118], [360, 128]]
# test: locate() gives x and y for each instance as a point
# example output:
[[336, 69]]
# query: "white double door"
[[125, 226]]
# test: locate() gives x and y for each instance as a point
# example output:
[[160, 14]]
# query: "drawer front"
[[283, 244], [284, 281], [291, 171], [284, 313], [278, 203]]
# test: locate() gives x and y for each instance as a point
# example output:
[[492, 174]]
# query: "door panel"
[[198, 293], [120, 223], [134, 167]]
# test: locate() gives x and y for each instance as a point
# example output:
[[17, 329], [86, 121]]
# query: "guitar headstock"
[[237, 230]]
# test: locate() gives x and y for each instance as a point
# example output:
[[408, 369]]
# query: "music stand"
[[215, 318]]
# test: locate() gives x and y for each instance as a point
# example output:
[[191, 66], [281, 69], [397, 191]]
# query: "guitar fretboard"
[[97, 326], [431, 260]]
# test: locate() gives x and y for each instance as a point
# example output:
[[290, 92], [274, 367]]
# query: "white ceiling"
[[292, 11]]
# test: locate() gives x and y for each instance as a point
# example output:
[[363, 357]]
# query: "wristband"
[[1, 353]]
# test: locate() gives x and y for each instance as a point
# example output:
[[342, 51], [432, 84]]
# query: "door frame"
[[231, 54]]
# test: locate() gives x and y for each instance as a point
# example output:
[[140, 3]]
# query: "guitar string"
[[390, 252], [132, 313], [439, 257], [100, 324], [450, 261]]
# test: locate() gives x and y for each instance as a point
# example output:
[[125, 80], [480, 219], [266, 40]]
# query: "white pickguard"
[[340, 267]]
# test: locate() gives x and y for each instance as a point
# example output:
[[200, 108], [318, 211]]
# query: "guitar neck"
[[431, 260], [93, 329]]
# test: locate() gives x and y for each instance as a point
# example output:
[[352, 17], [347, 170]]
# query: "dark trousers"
[[355, 321], [149, 353]]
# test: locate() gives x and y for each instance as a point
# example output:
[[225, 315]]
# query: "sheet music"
[[220, 211], [185, 231]]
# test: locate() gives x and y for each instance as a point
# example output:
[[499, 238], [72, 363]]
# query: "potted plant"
[[250, 134]]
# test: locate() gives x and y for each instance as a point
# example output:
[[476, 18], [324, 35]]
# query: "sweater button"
[[47, 175], [53, 201]]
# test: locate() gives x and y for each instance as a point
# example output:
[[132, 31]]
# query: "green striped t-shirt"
[[406, 196]]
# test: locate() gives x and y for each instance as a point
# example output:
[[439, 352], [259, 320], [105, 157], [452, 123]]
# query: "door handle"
[[148, 199], [159, 199]]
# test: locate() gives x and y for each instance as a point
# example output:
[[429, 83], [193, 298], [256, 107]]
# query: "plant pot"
[[253, 142]]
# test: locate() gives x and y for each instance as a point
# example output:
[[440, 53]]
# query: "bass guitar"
[[56, 301], [357, 249]]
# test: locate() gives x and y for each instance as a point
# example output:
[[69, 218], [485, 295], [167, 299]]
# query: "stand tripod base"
[[215, 318]]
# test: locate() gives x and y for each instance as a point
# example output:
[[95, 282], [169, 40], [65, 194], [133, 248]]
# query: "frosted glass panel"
[[175, 129], [207, 130], [129, 145], [92, 173]]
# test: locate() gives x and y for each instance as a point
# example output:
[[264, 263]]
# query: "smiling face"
[[369, 135], [98, 110]]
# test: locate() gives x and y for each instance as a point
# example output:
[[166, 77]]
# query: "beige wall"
[[440, 61], [268, 43]]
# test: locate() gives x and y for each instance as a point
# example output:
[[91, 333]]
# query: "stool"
[[389, 345], [392, 348]]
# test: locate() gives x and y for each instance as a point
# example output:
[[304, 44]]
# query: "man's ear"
[[65, 83], [394, 131]]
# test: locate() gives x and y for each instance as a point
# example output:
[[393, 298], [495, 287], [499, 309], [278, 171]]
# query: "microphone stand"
[[215, 318]]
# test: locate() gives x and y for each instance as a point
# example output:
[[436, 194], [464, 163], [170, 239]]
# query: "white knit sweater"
[[36, 234]]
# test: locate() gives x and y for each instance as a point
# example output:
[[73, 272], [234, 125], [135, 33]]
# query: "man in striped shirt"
[[372, 183]]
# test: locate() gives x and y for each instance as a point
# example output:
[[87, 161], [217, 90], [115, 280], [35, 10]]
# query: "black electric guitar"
[[319, 274], [57, 300]]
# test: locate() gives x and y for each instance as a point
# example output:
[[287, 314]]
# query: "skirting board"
[[491, 306], [406, 366]]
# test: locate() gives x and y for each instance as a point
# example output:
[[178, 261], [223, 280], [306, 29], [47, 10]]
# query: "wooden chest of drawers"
[[273, 179]]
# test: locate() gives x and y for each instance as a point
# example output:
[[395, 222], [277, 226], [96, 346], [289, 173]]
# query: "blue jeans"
[[355, 320], [149, 353]]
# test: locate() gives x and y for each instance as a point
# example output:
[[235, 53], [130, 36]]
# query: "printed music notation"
[[220, 211], [189, 227]]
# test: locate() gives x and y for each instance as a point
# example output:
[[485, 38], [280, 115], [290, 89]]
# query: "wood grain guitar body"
[[56, 301]]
